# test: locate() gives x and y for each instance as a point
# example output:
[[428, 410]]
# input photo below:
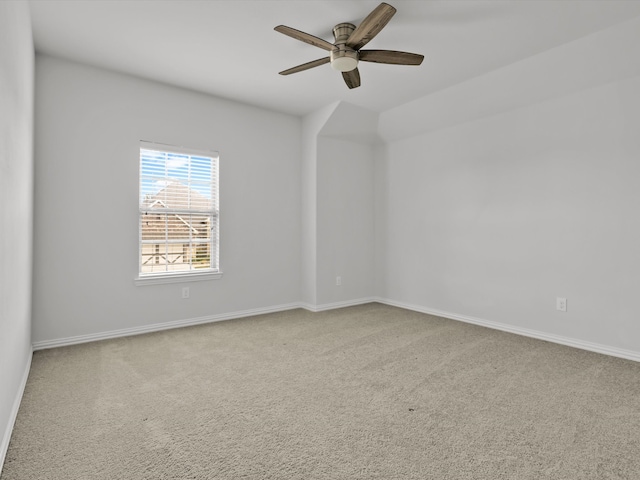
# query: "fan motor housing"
[[343, 58]]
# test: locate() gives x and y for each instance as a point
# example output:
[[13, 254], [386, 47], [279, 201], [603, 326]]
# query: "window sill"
[[175, 278]]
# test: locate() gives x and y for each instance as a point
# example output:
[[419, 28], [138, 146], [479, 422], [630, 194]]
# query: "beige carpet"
[[368, 392]]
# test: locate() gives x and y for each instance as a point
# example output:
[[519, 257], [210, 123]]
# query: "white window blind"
[[179, 215]]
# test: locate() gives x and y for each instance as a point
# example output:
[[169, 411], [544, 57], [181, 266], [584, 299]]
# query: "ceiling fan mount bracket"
[[342, 31]]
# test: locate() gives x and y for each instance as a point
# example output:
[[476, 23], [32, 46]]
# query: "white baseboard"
[[568, 341], [6, 437], [332, 306], [156, 327], [571, 342]]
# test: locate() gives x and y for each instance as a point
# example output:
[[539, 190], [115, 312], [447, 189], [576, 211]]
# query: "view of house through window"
[[178, 210]]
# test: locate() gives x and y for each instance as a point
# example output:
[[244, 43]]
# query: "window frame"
[[152, 278]]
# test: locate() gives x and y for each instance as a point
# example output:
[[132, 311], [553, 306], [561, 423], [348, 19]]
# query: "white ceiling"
[[229, 48]]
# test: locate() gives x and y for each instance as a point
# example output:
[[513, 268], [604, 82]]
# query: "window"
[[178, 213]]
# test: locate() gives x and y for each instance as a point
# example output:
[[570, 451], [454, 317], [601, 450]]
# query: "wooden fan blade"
[[306, 66], [305, 37], [391, 57], [352, 78], [371, 26]]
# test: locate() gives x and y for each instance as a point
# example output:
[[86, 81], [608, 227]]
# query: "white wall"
[[597, 59], [338, 237], [311, 126], [88, 124], [381, 215], [495, 218], [345, 229], [16, 208]]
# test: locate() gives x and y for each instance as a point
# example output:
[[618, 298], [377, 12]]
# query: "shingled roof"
[[175, 196]]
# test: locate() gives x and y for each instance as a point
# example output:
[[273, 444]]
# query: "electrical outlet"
[[338, 281], [561, 304], [185, 292]]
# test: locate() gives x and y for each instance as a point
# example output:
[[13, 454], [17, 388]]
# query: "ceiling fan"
[[349, 39]]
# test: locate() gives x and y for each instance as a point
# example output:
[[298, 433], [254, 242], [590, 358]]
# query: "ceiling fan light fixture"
[[346, 51], [344, 64], [344, 60]]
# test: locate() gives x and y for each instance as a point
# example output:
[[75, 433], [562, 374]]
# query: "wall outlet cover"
[[561, 304]]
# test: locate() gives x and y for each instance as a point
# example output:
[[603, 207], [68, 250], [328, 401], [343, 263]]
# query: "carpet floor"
[[366, 392]]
